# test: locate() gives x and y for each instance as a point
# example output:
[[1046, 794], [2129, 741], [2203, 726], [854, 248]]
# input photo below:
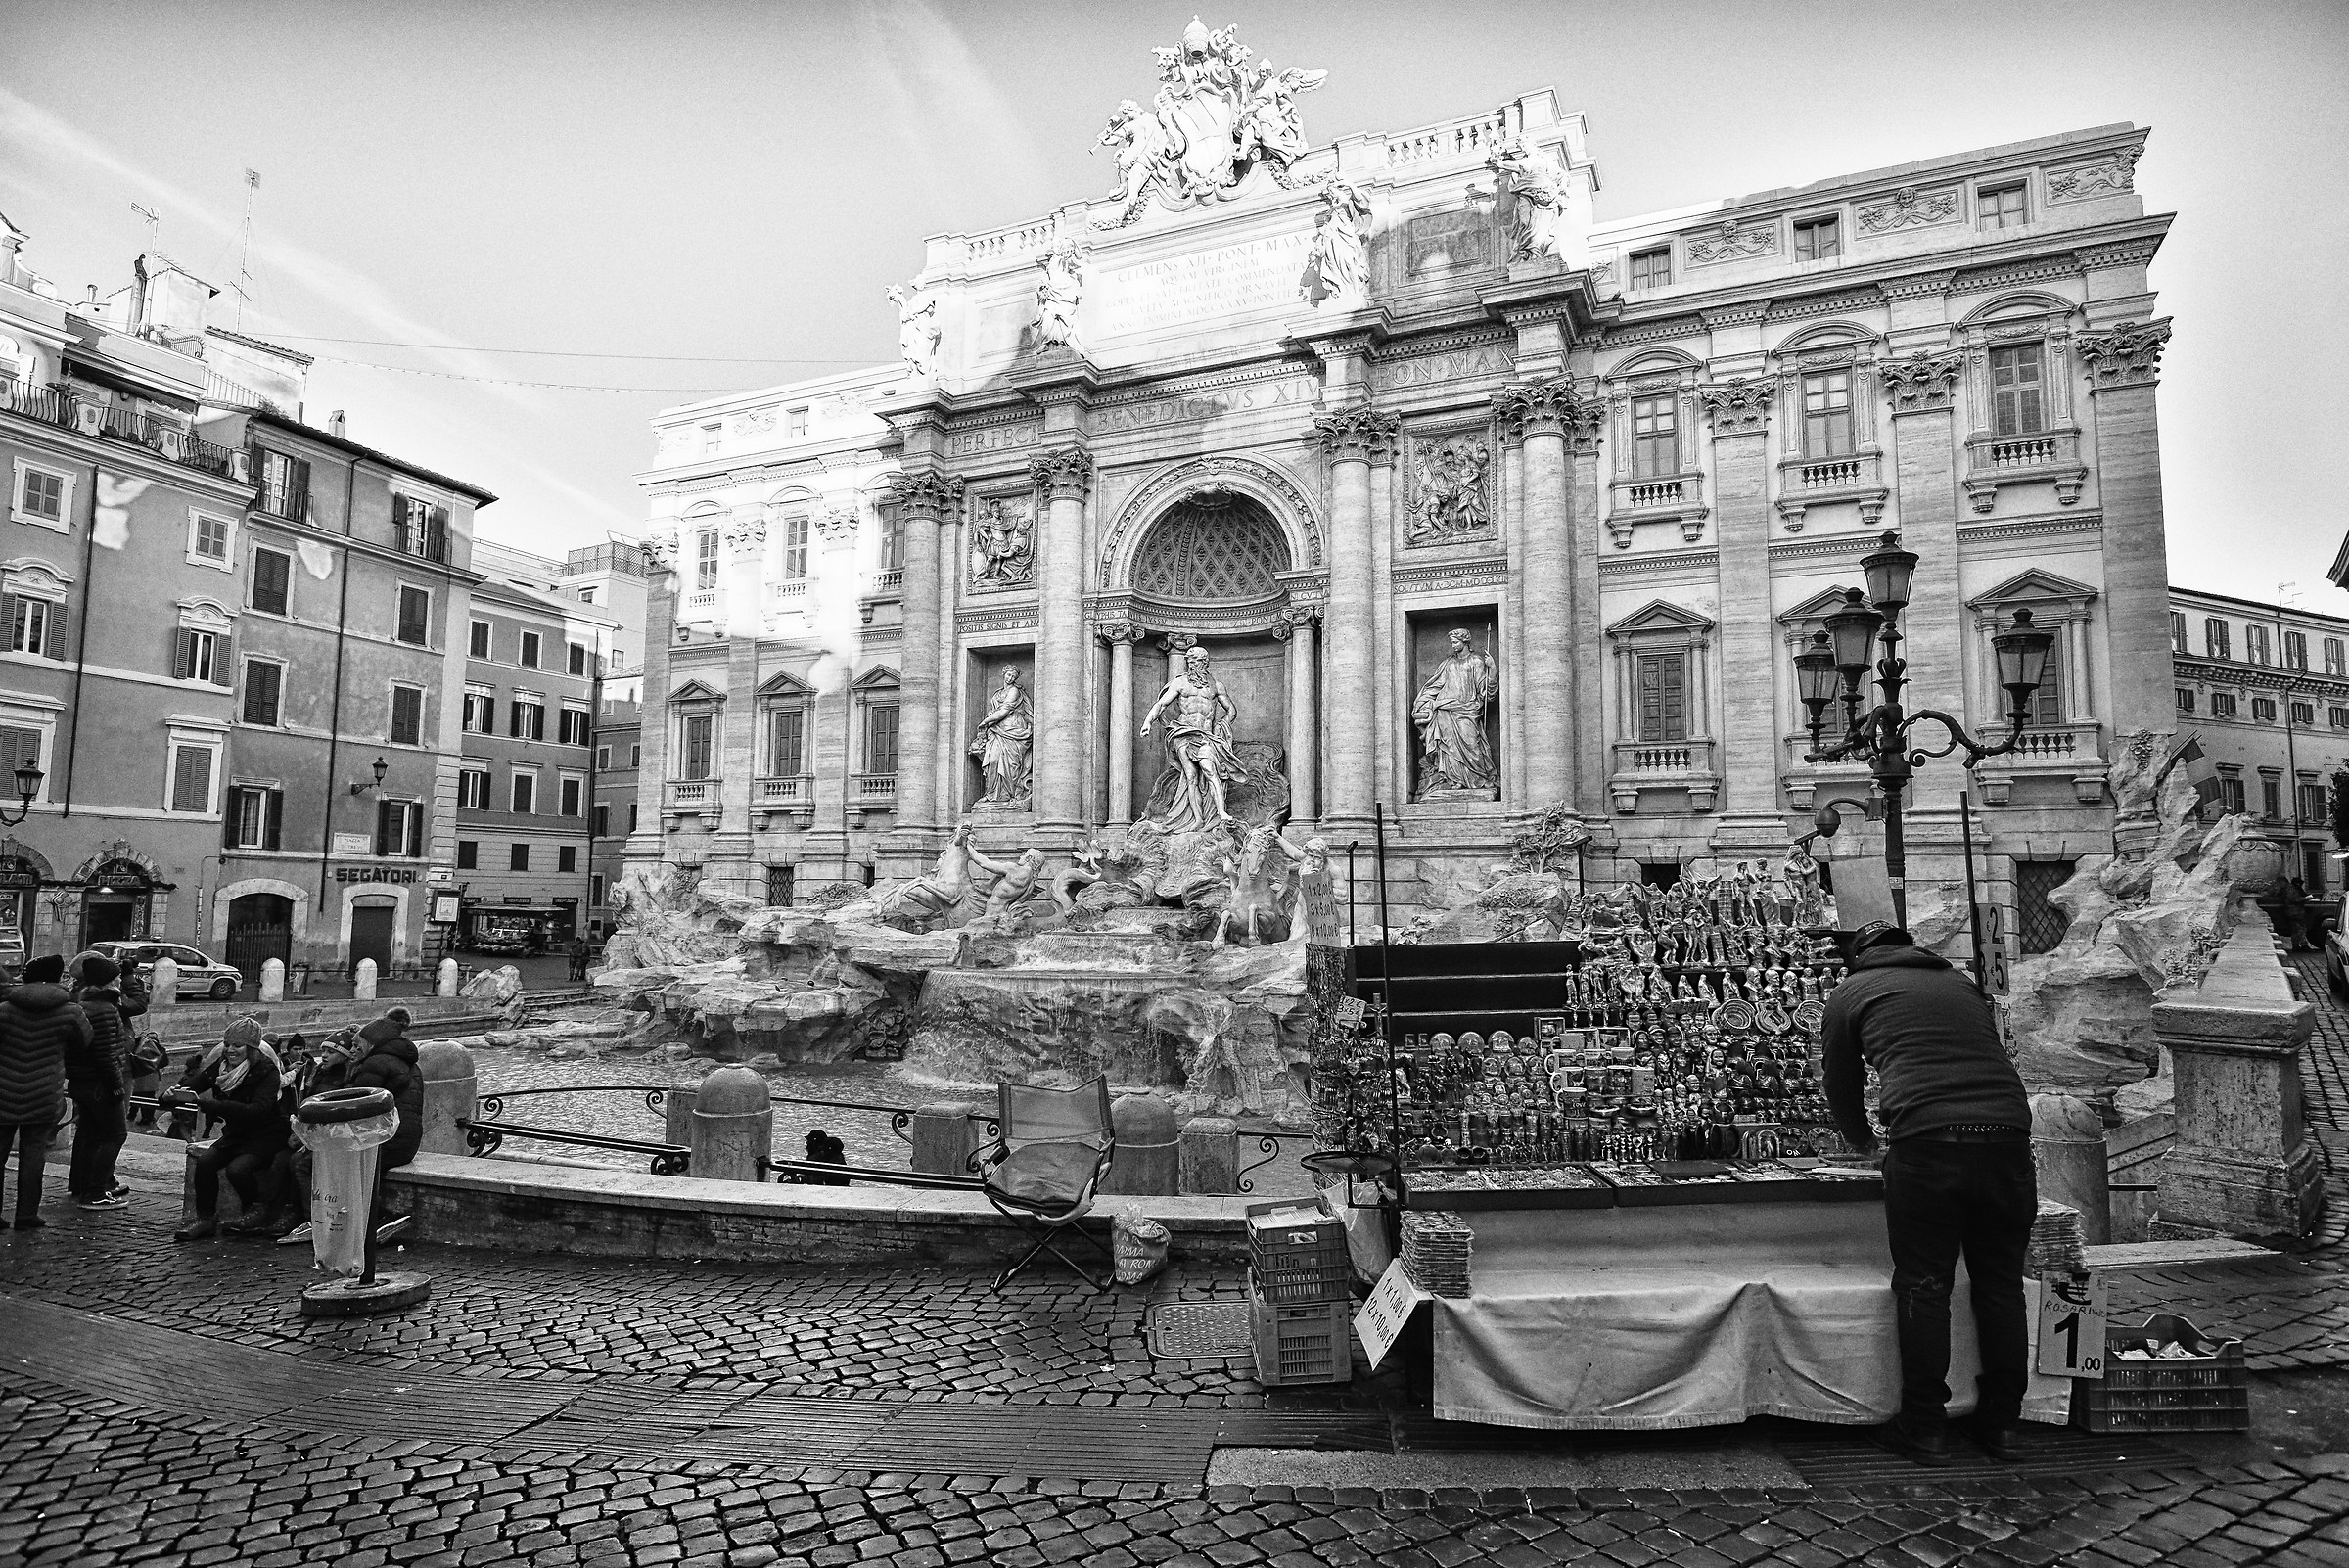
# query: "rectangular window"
[[893, 542], [786, 728], [637, 757], [595, 890], [526, 720], [778, 885], [518, 859], [1663, 697], [603, 823], [43, 496], [1656, 434], [472, 790], [2047, 703], [415, 616], [272, 571], [568, 797], [2338, 717], [2016, 388], [631, 816], [694, 752], [407, 716], [1651, 269], [253, 818], [400, 828], [2230, 793], [1816, 238], [1999, 207], [575, 660], [2177, 631], [1827, 413], [881, 739], [212, 536], [2271, 797], [795, 422], [574, 725], [2185, 700], [528, 656], [2312, 802], [2216, 642], [192, 778], [712, 436], [33, 627], [705, 560], [2295, 650], [2222, 705], [285, 485], [469, 854], [421, 528], [795, 549], [2256, 646], [195, 656], [261, 679], [603, 759], [481, 713], [477, 643], [2263, 710], [525, 799], [2337, 657], [2304, 713], [567, 857]]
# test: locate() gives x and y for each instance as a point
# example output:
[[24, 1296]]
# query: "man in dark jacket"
[[237, 1088], [39, 1025], [1958, 1174], [97, 1077], [388, 1061]]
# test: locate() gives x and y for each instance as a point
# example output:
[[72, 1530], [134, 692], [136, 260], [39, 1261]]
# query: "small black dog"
[[825, 1149]]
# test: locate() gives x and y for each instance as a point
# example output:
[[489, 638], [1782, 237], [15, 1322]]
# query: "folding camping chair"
[[1052, 1148]]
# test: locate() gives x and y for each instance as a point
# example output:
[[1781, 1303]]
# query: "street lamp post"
[[28, 785], [1836, 665]]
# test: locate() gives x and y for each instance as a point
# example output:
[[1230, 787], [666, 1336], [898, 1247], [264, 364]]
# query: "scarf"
[[227, 1079]]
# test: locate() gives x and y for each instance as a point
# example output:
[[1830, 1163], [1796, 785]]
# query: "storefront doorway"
[[115, 903], [260, 927], [371, 925]]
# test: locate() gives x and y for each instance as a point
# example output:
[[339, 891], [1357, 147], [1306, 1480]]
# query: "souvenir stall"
[[1608, 1166]]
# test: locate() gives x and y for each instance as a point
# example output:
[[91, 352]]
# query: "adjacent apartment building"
[[2266, 689]]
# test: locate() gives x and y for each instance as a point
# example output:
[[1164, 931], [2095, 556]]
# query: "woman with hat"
[[98, 1079], [238, 1085], [39, 1025]]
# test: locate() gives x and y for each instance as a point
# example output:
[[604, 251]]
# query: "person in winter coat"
[[238, 1086], [1957, 1175], [97, 1077], [388, 1061], [39, 1025], [307, 1073]]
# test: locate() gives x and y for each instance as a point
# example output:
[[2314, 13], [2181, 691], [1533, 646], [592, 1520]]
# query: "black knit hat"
[[47, 969]]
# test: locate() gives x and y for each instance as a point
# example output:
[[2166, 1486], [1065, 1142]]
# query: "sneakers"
[[196, 1232], [396, 1225], [299, 1236], [120, 1191], [113, 1200]]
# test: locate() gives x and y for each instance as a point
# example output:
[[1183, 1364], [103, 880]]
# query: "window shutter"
[[191, 778], [54, 642], [383, 825], [12, 611], [415, 811], [183, 656], [273, 819], [231, 808], [298, 485], [514, 720]]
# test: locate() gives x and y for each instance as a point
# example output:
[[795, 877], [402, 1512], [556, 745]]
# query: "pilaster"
[[1064, 480], [1753, 819], [925, 499], [1547, 418], [660, 632], [2124, 368], [1923, 387], [1352, 436]]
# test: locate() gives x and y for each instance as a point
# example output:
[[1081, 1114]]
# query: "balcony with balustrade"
[[791, 795], [2072, 753], [1689, 767], [691, 797], [67, 408], [2044, 457], [1657, 498], [870, 792], [1846, 478]]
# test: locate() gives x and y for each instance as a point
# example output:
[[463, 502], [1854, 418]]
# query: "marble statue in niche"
[[1337, 265], [1455, 749], [1056, 293], [1450, 497], [1004, 745], [918, 329], [1003, 545], [1197, 735]]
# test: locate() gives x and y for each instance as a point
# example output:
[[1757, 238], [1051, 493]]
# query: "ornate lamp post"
[[1881, 736], [28, 785]]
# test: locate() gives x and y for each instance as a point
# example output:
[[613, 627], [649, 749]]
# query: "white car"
[[2336, 958], [199, 976]]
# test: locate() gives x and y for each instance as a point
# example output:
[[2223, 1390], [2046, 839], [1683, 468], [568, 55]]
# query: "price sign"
[[2071, 1326], [1389, 1308], [1350, 1012]]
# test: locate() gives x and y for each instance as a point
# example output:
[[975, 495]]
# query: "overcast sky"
[[740, 181]]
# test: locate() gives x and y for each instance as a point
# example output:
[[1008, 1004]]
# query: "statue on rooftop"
[[1056, 293], [1337, 265], [1538, 179], [918, 331], [1219, 112]]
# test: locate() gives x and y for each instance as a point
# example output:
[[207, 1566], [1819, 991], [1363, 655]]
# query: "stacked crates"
[[1300, 1294], [2209, 1391]]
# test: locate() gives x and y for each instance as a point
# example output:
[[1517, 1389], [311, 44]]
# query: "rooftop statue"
[[1219, 112], [1337, 267], [1537, 180], [1056, 295], [917, 329]]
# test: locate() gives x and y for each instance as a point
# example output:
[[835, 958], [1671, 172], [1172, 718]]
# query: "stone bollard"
[[448, 1093], [162, 984], [676, 1114], [2067, 1147], [362, 982], [445, 978], [733, 1126], [943, 1137], [273, 981], [1146, 1162], [1210, 1156]]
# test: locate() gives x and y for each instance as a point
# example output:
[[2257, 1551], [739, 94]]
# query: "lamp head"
[[1890, 570], [28, 781], [1852, 633], [2023, 651], [1814, 671], [381, 769]]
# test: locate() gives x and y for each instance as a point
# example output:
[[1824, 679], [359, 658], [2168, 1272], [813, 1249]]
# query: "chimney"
[[334, 422]]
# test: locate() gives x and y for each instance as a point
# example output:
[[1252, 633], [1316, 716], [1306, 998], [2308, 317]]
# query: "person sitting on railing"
[[237, 1083]]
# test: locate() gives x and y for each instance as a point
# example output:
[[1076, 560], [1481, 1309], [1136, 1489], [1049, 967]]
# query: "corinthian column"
[[1752, 750], [2124, 365], [745, 572], [1063, 479], [1351, 436], [1121, 636], [924, 500], [1303, 728], [1546, 416]]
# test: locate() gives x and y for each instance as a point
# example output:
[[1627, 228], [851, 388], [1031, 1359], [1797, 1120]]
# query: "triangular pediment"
[[2033, 585], [1817, 607], [1660, 615], [878, 675], [696, 691], [785, 684]]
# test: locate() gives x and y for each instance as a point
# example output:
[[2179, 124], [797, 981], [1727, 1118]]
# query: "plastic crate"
[[2204, 1393], [1301, 1344]]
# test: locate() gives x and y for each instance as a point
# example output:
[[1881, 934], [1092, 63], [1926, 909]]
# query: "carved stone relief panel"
[[1908, 209], [1448, 485], [1442, 245], [2109, 175], [1733, 241], [1003, 542]]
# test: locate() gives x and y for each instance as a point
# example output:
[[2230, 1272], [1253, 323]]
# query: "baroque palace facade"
[[1477, 506]]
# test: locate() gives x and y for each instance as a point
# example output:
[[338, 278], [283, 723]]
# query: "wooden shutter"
[[191, 778], [261, 692], [183, 654], [881, 740], [383, 825], [54, 640], [11, 609], [1664, 697], [415, 814]]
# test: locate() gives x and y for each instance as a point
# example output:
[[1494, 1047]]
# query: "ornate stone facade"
[[1536, 515]]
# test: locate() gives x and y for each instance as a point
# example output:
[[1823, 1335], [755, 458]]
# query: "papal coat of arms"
[[1219, 112]]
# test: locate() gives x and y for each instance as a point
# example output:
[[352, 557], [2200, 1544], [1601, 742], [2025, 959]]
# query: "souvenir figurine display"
[[1690, 1030]]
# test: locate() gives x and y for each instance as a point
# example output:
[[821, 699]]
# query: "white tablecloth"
[[1698, 1315]]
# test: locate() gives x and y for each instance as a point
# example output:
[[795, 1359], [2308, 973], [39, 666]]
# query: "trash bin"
[[343, 1128]]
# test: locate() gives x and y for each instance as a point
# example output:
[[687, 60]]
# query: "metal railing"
[[66, 409], [1268, 1147]]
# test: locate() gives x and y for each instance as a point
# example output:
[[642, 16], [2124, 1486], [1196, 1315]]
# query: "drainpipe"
[[595, 713], [334, 723], [82, 640]]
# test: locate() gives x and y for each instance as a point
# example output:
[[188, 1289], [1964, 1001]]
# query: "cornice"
[[1663, 330], [1149, 391], [1657, 562], [1440, 343], [2264, 677], [2030, 528], [1434, 576], [1825, 305]]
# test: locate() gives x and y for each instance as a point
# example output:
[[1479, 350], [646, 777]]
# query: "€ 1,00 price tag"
[[1350, 1012], [1387, 1310], [2071, 1326]]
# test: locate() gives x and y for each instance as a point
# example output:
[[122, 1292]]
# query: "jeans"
[[31, 1139], [243, 1164], [1941, 1200], [100, 1128]]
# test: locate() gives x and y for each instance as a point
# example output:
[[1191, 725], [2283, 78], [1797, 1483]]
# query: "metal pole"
[[1350, 849], [1386, 987], [1973, 902]]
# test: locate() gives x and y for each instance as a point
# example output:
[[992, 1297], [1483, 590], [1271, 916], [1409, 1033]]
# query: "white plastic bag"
[[1139, 1244], [342, 1186]]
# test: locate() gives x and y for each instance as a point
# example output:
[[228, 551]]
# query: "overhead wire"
[[503, 380], [572, 353]]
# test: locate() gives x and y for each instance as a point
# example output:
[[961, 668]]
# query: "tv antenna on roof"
[[155, 225], [242, 286]]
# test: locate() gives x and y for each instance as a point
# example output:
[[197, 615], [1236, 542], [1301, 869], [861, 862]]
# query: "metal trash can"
[[343, 1128]]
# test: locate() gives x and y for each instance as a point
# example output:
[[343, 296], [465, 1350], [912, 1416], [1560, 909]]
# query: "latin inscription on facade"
[[993, 439], [1424, 370], [1231, 280], [1205, 405]]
